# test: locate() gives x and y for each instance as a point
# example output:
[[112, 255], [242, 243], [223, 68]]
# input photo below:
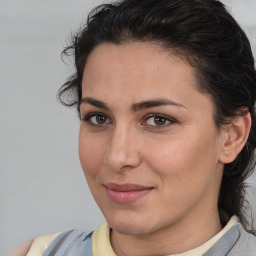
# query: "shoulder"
[[23, 249], [34, 247], [235, 242], [246, 242], [40, 244], [72, 242]]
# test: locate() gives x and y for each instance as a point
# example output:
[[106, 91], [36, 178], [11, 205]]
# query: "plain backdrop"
[[42, 187]]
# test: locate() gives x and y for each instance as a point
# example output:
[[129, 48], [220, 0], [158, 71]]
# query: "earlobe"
[[235, 136]]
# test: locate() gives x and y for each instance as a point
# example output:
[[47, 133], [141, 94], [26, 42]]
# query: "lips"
[[126, 193]]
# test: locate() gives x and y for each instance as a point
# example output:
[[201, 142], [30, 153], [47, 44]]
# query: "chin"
[[130, 224], [132, 229]]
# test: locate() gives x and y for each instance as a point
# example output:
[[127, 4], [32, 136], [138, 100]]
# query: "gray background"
[[42, 187]]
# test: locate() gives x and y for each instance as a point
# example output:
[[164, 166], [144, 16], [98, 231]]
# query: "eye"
[[96, 119], [158, 120]]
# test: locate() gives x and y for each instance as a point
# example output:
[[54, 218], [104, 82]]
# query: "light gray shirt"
[[235, 242]]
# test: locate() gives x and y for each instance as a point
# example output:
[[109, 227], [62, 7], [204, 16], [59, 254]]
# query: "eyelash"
[[87, 119], [166, 119]]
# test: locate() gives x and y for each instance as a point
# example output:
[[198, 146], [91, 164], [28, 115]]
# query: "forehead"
[[134, 63], [134, 72]]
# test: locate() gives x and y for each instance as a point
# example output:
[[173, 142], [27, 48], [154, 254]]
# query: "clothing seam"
[[60, 242], [72, 244]]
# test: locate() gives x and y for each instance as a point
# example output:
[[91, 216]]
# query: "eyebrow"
[[155, 103], [94, 102], [136, 106]]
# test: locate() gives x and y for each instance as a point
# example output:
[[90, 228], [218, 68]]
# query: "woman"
[[165, 91]]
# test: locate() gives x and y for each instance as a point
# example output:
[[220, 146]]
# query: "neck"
[[179, 237]]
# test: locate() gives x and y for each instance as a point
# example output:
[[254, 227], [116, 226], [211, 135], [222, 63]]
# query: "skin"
[[22, 249], [179, 156], [178, 159]]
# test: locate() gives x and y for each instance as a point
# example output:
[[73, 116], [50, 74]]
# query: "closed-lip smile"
[[126, 193]]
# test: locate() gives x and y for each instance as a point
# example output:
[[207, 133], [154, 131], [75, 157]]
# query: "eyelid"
[[167, 118], [87, 117]]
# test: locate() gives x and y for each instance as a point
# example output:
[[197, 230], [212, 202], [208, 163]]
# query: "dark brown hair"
[[206, 34]]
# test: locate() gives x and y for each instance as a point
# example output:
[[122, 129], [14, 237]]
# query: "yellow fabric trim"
[[207, 245], [101, 241], [40, 244]]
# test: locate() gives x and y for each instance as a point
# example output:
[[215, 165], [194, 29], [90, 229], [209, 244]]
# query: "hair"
[[204, 33]]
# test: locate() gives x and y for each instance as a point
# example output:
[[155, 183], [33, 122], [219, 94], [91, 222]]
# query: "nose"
[[123, 151]]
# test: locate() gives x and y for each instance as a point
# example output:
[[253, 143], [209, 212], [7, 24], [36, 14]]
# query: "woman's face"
[[148, 143]]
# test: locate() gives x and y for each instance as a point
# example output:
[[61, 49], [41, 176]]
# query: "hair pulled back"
[[205, 34]]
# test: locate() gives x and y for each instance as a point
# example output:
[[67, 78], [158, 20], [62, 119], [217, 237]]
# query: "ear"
[[235, 136]]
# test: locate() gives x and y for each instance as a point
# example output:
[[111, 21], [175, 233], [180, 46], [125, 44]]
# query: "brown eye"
[[159, 120], [96, 119], [100, 119]]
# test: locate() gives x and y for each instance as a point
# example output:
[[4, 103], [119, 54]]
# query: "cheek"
[[91, 153], [186, 171], [167, 156], [184, 159]]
